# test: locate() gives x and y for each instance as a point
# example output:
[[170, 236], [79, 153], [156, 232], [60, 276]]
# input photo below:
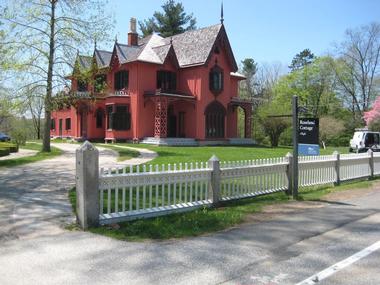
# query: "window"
[[99, 117], [166, 80], [121, 80], [100, 83], [119, 118], [68, 124], [109, 116], [52, 124], [82, 85], [216, 80]]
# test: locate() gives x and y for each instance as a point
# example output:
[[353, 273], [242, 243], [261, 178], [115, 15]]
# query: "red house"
[[175, 90]]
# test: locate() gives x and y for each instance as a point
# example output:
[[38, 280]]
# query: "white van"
[[364, 140]]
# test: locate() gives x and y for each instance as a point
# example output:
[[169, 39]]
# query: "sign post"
[[295, 147]]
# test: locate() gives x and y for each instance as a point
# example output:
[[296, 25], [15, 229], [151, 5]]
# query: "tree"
[[249, 69], [313, 84], [330, 128], [357, 68], [372, 117], [35, 106], [302, 59], [271, 122], [172, 21], [42, 40]]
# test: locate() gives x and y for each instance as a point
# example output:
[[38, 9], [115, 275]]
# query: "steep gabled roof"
[[127, 53], [162, 51], [103, 58], [193, 47], [84, 61], [190, 48]]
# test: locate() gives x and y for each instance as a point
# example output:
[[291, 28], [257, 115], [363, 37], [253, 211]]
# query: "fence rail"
[[140, 192]]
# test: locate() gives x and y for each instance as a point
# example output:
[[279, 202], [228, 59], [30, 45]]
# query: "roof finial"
[[95, 43], [221, 14], [116, 38], [171, 40]]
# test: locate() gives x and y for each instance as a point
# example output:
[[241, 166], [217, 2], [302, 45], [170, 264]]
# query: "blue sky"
[[266, 30]]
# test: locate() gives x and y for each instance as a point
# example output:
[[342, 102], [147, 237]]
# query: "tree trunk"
[[49, 88]]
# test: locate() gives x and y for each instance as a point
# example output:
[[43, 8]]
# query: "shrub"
[[19, 136], [4, 151]]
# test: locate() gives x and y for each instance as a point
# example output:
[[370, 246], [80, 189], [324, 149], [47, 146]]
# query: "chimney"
[[132, 35]]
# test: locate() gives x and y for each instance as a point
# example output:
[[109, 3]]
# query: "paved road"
[[283, 250]]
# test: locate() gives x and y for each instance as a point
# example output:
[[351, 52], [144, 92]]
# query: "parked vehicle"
[[4, 137], [364, 140]]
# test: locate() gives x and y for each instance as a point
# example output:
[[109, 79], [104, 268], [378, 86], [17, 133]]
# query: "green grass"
[[176, 154], [40, 155], [124, 153], [208, 220]]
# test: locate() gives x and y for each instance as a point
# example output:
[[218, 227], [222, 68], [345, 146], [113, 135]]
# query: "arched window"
[[214, 119], [216, 80], [121, 80]]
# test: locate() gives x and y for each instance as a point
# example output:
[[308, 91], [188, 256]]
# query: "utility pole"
[[295, 146]]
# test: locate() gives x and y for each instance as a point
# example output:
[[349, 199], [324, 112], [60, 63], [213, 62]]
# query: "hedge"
[[4, 151], [12, 147]]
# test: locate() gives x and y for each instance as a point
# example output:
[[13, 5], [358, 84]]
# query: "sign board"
[[308, 136]]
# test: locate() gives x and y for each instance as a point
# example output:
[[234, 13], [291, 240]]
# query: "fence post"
[[214, 189], [87, 185], [337, 167], [371, 163], [289, 173]]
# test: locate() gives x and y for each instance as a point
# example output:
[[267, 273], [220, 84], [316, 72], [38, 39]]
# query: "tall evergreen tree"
[[172, 21], [302, 59]]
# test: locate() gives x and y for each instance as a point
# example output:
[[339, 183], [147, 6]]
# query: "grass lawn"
[[40, 155], [208, 220], [174, 154], [124, 154]]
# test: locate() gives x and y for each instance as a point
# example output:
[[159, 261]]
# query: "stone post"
[[289, 173], [371, 163], [87, 185], [337, 167], [214, 189]]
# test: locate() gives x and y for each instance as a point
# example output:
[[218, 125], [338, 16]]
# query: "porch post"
[[248, 121], [160, 117]]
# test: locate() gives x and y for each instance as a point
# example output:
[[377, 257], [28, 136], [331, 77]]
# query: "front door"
[[215, 114], [181, 124], [60, 127], [83, 125], [172, 126]]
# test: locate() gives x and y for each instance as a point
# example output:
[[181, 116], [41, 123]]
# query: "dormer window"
[[216, 80], [100, 83], [121, 80], [166, 80], [82, 85]]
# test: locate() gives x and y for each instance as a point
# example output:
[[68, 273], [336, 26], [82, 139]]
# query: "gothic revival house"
[[181, 89]]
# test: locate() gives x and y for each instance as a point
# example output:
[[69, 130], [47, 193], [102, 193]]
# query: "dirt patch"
[[352, 193], [272, 211]]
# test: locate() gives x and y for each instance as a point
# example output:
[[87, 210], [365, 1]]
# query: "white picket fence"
[[152, 191], [123, 194], [147, 191]]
